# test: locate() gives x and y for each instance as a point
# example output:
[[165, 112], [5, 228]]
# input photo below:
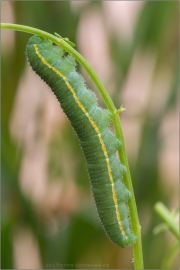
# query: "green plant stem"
[[167, 261], [138, 257], [168, 218], [136, 228]]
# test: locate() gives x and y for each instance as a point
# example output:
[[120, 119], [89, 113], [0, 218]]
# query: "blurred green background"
[[49, 218]]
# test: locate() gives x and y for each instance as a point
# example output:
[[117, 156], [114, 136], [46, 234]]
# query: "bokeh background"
[[49, 218]]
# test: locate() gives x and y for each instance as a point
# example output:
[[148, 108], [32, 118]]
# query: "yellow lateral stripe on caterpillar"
[[96, 129]]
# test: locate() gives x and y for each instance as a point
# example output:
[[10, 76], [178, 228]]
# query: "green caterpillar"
[[90, 122]]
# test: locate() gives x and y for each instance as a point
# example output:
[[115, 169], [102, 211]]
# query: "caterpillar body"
[[90, 122]]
